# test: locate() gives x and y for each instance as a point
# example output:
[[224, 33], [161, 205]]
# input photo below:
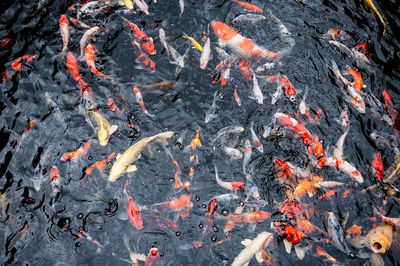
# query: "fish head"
[[63, 20], [380, 239], [223, 31]]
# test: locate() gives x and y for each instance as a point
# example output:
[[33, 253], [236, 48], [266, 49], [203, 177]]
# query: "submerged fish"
[[104, 129], [370, 5], [124, 162]]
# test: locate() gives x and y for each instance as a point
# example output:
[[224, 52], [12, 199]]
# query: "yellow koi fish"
[[369, 5], [194, 42], [104, 129]]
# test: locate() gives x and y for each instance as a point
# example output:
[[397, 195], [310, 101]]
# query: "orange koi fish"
[[249, 6], [364, 48], [196, 140], [358, 84], [73, 69], [90, 53], [31, 124], [145, 62], [245, 68], [377, 166], [100, 165], [296, 126], [249, 217], [73, 155], [183, 205], [19, 62], [290, 91], [354, 229], [237, 98], [336, 35], [64, 29], [139, 100], [239, 44], [134, 215], [142, 39], [391, 110]]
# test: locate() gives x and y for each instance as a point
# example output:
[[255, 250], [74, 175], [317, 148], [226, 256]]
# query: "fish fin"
[[288, 246], [113, 128], [131, 168], [246, 242], [299, 252], [259, 257], [118, 155]]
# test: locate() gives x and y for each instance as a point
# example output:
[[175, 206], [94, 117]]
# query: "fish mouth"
[[153, 53]]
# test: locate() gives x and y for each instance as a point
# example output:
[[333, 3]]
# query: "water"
[[41, 230]]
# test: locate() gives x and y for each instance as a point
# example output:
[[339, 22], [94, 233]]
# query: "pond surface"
[[79, 217]]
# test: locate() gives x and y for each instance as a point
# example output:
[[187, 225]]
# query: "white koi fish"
[[252, 247]]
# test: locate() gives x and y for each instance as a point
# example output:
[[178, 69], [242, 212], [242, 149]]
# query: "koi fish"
[[90, 53], [181, 6], [205, 54], [227, 185], [344, 117], [239, 44], [74, 155], [211, 112], [64, 29], [380, 238], [153, 258], [4, 42], [139, 100], [18, 64], [100, 165], [85, 40], [104, 129], [182, 205], [134, 214], [73, 69], [244, 67], [252, 248], [142, 6], [358, 84], [336, 35], [145, 61], [237, 98], [290, 91], [247, 155], [226, 72], [268, 129], [195, 141], [161, 34], [361, 60], [370, 6], [79, 23], [321, 252], [395, 222], [353, 96], [377, 166], [249, 6], [256, 141], [226, 197], [336, 234], [146, 43], [124, 162], [385, 140], [257, 93], [232, 153], [391, 111], [179, 60], [293, 124], [377, 109], [195, 44], [248, 17], [134, 257], [229, 130], [55, 182]]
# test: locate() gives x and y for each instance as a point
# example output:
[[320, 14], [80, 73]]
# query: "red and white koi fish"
[[256, 141], [391, 111], [344, 117], [247, 155], [237, 98], [353, 96], [205, 54], [395, 222], [139, 100], [249, 6], [377, 166], [336, 35], [79, 23], [249, 217], [74, 155], [134, 214], [239, 44], [153, 258], [73, 69], [85, 40], [90, 53], [182, 205], [293, 124], [145, 62], [64, 29], [146, 43], [225, 72], [227, 185], [344, 166]]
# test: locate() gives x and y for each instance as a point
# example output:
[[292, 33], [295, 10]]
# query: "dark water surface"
[[40, 229]]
